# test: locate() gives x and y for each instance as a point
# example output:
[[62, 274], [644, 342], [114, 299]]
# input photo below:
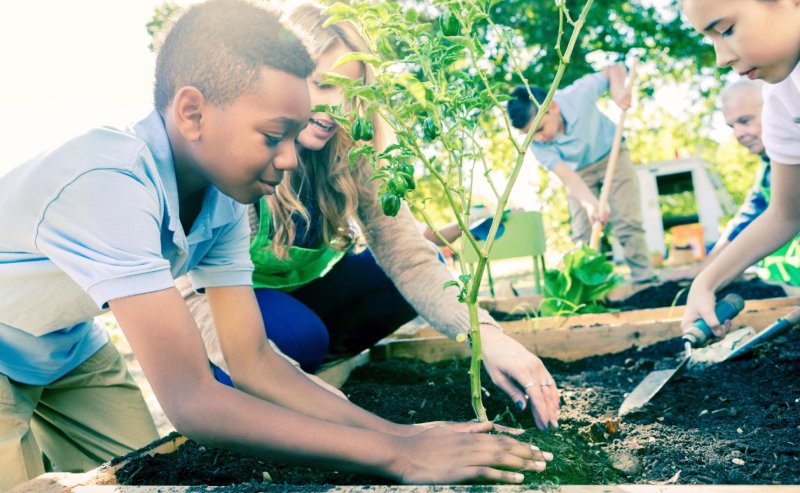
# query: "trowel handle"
[[780, 326], [725, 309]]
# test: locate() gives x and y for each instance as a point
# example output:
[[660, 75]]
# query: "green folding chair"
[[523, 236]]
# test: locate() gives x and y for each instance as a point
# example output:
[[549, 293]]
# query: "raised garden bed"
[[630, 297], [693, 426], [731, 424], [570, 338]]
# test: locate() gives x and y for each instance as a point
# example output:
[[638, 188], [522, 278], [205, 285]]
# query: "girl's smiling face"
[[759, 39], [321, 127]]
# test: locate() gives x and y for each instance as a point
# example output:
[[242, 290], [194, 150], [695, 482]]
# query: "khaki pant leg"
[[20, 456], [92, 414], [626, 217]]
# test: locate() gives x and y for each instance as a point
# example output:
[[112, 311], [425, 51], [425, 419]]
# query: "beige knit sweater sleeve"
[[412, 263]]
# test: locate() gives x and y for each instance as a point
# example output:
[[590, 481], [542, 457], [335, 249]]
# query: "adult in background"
[[741, 108]]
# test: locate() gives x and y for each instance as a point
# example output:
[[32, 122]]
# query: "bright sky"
[[68, 66]]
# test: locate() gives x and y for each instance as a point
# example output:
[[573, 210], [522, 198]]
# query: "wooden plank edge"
[[613, 318], [339, 371], [569, 343]]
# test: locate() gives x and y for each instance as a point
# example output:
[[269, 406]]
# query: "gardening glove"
[[521, 375], [440, 456]]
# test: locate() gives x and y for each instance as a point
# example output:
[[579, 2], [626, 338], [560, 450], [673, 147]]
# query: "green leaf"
[[450, 284], [413, 86], [334, 112], [356, 152], [332, 78], [357, 56], [341, 10]]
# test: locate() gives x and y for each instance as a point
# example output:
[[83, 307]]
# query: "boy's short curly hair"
[[520, 107], [221, 46]]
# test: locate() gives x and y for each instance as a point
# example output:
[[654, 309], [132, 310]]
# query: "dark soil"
[[671, 293], [734, 423]]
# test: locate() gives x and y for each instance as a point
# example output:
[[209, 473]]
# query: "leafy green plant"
[[580, 286], [432, 85]]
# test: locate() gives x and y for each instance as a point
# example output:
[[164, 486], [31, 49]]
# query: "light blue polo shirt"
[[588, 133], [94, 220]]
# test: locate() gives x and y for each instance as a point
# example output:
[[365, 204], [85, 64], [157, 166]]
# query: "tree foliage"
[[614, 27]]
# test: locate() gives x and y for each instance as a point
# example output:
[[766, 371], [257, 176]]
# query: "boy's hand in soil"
[[521, 375], [442, 456], [461, 427]]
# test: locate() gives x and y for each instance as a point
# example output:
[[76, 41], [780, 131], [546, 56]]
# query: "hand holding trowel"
[[699, 334]]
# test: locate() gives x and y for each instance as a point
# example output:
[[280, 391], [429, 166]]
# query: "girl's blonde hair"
[[336, 186]]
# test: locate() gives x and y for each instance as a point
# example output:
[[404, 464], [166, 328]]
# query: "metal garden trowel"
[[725, 309], [735, 344]]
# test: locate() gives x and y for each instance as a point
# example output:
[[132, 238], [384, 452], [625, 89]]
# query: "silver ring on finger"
[[532, 383], [547, 383]]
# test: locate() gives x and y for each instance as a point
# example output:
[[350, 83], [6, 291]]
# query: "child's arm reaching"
[[771, 230], [166, 341], [256, 369]]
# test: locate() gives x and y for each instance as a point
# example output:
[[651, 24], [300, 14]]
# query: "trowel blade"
[[648, 388]]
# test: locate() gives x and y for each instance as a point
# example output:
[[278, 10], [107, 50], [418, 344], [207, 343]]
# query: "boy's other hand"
[[458, 426], [439, 455]]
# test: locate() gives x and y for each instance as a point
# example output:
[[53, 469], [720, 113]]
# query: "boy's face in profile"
[[551, 125], [245, 147], [759, 39]]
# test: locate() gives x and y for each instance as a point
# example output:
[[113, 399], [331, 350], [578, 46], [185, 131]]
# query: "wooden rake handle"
[[597, 228]]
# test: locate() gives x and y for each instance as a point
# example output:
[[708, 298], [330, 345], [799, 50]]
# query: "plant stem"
[[483, 254], [475, 362]]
